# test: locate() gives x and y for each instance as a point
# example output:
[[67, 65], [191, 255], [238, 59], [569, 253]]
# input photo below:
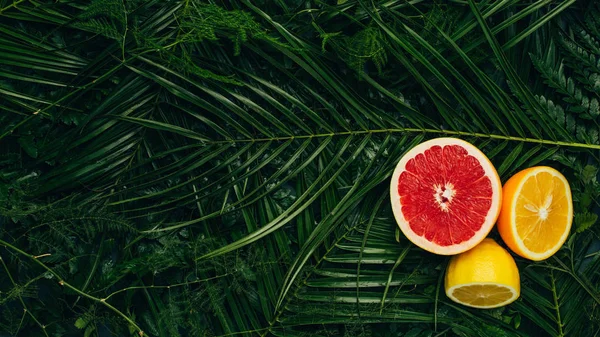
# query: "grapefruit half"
[[446, 195]]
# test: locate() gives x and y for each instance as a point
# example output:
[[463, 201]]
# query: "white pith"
[[446, 192], [542, 212], [490, 219], [515, 294]]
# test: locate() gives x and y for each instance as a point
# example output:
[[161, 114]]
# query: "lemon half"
[[484, 277]]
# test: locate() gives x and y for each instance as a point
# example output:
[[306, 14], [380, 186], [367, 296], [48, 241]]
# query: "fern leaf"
[[584, 221], [112, 9], [592, 19], [100, 26], [366, 45], [588, 108], [588, 39], [558, 114], [207, 21], [578, 56]]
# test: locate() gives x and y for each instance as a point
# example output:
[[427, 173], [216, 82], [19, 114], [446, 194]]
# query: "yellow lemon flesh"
[[484, 277], [537, 212]]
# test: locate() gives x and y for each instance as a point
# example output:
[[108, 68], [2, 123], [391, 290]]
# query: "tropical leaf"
[[179, 168]]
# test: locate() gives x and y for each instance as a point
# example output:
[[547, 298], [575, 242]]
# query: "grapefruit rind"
[[515, 295], [522, 250], [490, 219]]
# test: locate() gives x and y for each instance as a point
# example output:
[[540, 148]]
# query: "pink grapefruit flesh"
[[446, 195]]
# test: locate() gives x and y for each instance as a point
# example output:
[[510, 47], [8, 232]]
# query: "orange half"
[[537, 212]]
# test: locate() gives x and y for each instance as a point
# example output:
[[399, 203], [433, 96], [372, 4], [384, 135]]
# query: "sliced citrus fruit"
[[484, 277], [537, 212], [446, 195]]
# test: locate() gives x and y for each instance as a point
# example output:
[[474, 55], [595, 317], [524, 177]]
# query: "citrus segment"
[[537, 212], [483, 295], [445, 195], [483, 277]]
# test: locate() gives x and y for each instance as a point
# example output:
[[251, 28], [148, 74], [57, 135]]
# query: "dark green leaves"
[[189, 169]]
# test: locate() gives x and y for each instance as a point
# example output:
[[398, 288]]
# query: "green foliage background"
[[221, 168]]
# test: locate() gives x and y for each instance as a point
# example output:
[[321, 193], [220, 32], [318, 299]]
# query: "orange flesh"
[[541, 212]]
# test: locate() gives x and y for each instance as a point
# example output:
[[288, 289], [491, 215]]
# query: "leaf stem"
[[417, 130], [14, 4], [25, 310], [94, 266], [169, 286], [76, 290], [590, 290], [556, 306]]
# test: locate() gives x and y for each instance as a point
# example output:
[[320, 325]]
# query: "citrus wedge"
[[484, 277], [446, 195], [537, 212]]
